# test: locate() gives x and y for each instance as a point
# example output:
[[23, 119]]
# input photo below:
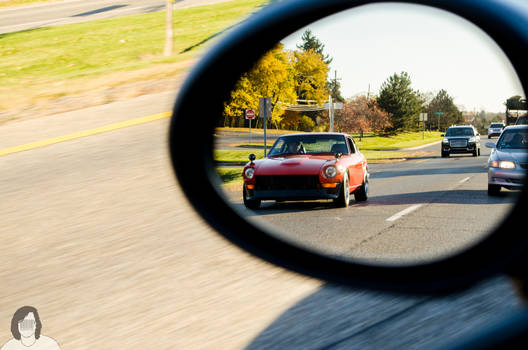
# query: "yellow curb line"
[[54, 140]]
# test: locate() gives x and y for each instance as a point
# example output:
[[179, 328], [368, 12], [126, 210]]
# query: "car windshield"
[[309, 144], [513, 139], [460, 132], [496, 125]]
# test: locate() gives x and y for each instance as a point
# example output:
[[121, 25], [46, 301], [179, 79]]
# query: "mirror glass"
[[378, 134]]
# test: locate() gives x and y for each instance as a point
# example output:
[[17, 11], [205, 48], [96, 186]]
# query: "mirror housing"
[[216, 75], [338, 155], [252, 157], [490, 145]]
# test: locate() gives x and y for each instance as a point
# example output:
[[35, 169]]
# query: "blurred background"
[[96, 233]]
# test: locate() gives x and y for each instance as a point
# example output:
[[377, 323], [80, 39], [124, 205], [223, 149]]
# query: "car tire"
[[445, 154], [476, 152], [493, 190], [252, 204], [361, 194], [344, 196]]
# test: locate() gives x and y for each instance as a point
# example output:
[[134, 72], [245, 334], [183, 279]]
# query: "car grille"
[[458, 143], [286, 182]]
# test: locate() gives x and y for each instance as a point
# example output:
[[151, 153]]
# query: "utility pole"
[[168, 29], [331, 113], [334, 88]]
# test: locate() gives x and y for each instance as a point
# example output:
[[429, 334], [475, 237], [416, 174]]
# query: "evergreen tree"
[[402, 102], [310, 42]]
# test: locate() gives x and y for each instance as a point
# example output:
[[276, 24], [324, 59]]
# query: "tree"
[[272, 76], [400, 101], [450, 114], [310, 42], [362, 115]]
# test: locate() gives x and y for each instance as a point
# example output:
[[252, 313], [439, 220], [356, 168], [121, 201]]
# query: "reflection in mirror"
[[364, 136]]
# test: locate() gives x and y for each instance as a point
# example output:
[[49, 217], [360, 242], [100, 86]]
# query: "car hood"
[[519, 155], [292, 165]]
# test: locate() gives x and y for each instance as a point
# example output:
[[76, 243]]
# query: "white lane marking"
[[404, 212], [464, 180]]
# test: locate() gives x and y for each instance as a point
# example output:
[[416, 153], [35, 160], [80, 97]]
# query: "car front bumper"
[[509, 178], [297, 194], [470, 148]]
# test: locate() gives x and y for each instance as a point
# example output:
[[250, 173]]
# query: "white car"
[[508, 162], [495, 129]]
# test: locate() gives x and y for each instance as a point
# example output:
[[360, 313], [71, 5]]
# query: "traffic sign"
[[250, 114]]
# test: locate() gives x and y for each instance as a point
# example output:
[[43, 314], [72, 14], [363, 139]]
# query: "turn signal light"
[[329, 185]]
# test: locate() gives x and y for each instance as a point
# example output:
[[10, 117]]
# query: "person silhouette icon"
[[26, 327]]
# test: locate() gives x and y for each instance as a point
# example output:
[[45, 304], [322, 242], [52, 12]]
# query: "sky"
[[438, 49]]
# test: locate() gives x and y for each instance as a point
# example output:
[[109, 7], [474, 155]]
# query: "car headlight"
[[249, 173], [472, 139], [330, 172], [445, 141], [503, 164]]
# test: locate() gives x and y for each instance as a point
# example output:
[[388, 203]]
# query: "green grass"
[[64, 54], [221, 155], [230, 175], [403, 140], [10, 3]]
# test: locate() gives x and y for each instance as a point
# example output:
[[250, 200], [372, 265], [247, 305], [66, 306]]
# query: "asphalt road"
[[98, 236], [48, 14], [417, 210]]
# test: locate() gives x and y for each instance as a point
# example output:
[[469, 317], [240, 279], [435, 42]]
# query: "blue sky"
[[439, 51]]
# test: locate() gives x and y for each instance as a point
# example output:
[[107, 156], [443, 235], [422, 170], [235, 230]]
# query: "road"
[[48, 14], [98, 236], [418, 209]]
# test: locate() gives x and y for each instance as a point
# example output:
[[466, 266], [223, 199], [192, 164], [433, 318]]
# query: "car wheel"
[[344, 196], [493, 190], [252, 204], [445, 154], [361, 194], [475, 152]]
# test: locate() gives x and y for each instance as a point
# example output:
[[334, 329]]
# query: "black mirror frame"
[[215, 75]]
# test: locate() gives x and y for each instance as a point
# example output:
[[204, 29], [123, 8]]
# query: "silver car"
[[508, 161], [495, 129]]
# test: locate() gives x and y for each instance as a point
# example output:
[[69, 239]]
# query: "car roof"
[[315, 133], [461, 126], [516, 127]]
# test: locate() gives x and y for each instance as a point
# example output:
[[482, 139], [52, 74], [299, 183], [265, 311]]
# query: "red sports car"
[[307, 166]]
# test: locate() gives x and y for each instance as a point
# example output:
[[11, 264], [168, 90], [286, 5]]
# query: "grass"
[[230, 175], [236, 156], [35, 62], [11, 3], [403, 140]]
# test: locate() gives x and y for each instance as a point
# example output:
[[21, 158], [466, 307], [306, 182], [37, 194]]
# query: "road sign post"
[[265, 113], [423, 119], [250, 115], [438, 114]]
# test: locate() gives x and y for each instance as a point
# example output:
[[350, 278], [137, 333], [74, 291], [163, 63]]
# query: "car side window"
[[351, 146]]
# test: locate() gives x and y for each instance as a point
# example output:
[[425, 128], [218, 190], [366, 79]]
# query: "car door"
[[356, 165]]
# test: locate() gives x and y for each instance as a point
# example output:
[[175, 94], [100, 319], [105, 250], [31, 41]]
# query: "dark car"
[[461, 139]]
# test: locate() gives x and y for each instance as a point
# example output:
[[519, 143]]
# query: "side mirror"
[[235, 54], [490, 145], [338, 155], [442, 135], [252, 157]]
